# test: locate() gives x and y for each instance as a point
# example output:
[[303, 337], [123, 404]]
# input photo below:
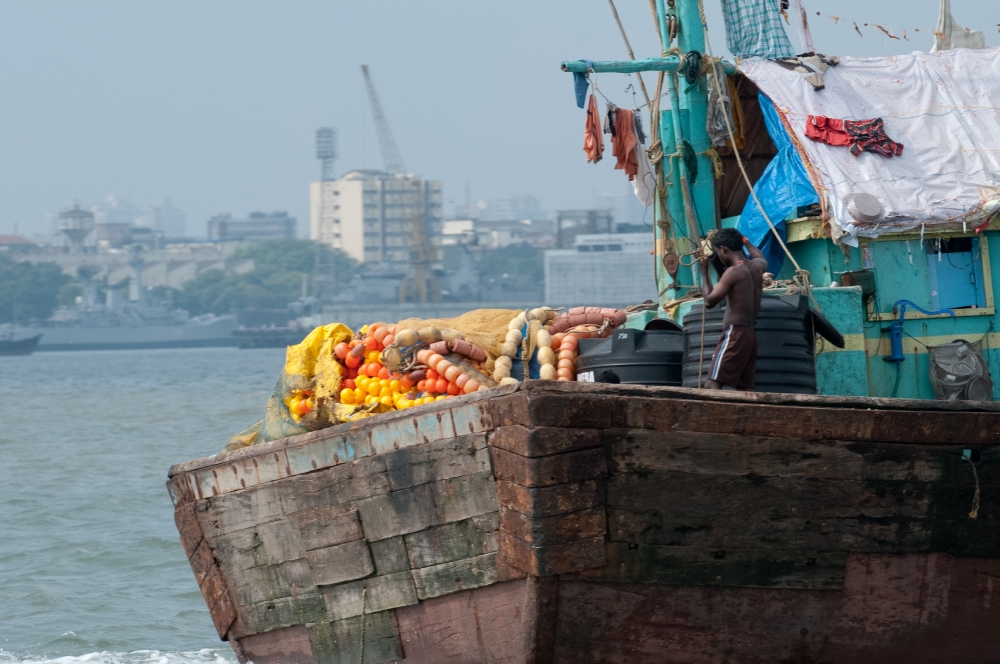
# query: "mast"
[[688, 210]]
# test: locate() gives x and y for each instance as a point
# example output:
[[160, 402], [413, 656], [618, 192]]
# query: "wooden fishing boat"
[[574, 522]]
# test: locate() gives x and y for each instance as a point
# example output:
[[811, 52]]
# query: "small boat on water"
[[590, 523], [25, 346]]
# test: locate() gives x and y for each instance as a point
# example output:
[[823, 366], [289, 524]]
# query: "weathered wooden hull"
[[583, 523]]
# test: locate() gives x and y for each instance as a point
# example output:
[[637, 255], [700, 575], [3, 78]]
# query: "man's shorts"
[[734, 363]]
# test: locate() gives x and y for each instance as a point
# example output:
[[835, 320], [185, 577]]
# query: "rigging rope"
[[799, 272], [628, 47]]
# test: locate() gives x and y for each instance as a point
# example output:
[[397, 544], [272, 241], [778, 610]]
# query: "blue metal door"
[[955, 274]]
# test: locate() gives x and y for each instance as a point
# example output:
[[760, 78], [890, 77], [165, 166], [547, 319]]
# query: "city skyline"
[[215, 106]]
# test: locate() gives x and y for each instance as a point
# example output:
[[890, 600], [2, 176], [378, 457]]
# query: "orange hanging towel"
[[623, 142], [593, 142]]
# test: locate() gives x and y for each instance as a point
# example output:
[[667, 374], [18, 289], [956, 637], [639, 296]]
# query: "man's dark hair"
[[717, 263], [730, 238]]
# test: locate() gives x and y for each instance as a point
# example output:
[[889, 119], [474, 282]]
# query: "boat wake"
[[205, 656]]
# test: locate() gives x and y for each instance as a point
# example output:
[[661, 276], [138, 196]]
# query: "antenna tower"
[[324, 279], [326, 151], [390, 152]]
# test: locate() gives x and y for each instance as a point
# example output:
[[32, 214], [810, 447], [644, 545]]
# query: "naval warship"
[[120, 323]]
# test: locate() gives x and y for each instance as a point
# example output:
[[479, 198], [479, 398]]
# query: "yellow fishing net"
[[311, 371], [486, 328]]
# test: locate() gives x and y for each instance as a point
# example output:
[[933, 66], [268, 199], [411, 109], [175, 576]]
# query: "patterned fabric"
[[753, 29], [859, 135]]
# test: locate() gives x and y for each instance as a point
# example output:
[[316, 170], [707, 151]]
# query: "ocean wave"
[[206, 656]]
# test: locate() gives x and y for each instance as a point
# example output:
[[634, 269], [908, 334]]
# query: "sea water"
[[91, 569]]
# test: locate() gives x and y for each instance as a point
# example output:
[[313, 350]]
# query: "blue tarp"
[[782, 188]]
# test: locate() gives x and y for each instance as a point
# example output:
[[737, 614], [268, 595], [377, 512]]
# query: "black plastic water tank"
[[634, 357], [785, 345]]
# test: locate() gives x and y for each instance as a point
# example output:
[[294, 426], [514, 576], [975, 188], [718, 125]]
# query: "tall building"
[[165, 217], [570, 223], [626, 210], [257, 226], [514, 208], [607, 269], [373, 213]]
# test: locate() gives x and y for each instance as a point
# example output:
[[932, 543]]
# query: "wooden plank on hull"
[[544, 441], [339, 642], [329, 526], [262, 584], [577, 412], [284, 612], [573, 556], [330, 450], [282, 541], [486, 624], [337, 564], [560, 529], [202, 561], [696, 566], [459, 575], [437, 461], [378, 593], [453, 541], [641, 451], [913, 427], [188, 527], [661, 527], [753, 496], [426, 505], [550, 501], [289, 645], [389, 555], [551, 470]]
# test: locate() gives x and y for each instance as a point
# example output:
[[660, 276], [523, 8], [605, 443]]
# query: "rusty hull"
[[576, 523]]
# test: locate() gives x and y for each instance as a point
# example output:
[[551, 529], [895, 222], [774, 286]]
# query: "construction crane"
[[390, 153], [419, 284]]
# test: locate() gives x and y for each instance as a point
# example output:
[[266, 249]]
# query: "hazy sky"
[[215, 103]]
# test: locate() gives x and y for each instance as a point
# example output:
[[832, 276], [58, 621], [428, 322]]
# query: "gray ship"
[[121, 323]]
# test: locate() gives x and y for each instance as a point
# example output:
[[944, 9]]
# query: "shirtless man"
[[734, 364]]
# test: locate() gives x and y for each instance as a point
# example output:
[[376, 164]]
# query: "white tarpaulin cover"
[[943, 107]]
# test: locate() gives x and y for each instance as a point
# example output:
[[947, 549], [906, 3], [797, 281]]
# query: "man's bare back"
[[744, 284], [741, 284]]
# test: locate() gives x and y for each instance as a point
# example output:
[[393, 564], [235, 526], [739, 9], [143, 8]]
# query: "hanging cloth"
[[719, 108], [593, 142], [753, 29], [623, 140], [782, 188], [581, 83], [644, 182]]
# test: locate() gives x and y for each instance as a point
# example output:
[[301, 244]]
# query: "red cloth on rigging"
[[623, 142], [593, 142]]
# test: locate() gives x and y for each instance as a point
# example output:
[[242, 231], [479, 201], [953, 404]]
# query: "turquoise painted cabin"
[[959, 277], [904, 268]]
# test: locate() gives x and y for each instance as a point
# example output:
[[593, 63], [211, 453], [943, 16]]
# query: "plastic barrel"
[[633, 357], [785, 345]]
